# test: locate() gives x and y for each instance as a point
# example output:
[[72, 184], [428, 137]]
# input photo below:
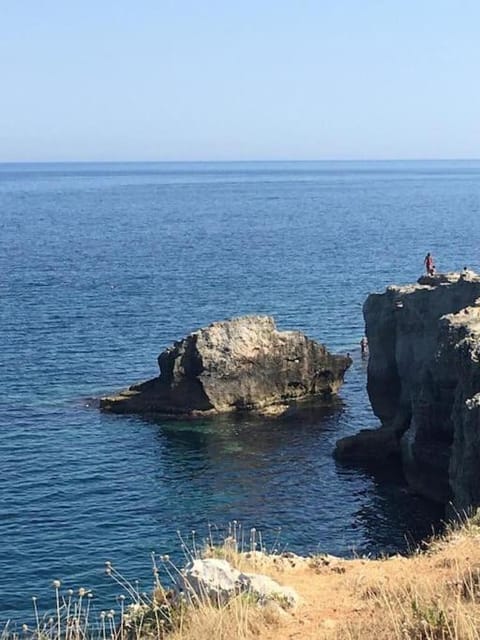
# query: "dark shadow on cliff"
[[395, 507], [394, 519]]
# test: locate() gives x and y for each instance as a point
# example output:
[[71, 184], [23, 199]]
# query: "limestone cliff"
[[424, 385], [236, 365]]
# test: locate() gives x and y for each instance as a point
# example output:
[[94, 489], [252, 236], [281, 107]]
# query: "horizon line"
[[244, 161]]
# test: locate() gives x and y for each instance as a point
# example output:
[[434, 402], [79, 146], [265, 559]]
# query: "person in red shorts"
[[429, 266]]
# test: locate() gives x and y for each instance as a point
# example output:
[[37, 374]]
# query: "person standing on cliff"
[[429, 266]]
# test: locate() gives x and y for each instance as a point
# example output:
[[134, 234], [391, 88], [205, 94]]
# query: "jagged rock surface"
[[235, 365], [216, 580], [424, 385]]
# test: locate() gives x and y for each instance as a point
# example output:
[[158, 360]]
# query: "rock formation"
[[217, 580], [236, 365], [424, 386]]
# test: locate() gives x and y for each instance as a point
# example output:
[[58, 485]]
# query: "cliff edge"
[[424, 386], [240, 364]]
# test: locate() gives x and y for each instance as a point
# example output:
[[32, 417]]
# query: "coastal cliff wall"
[[424, 385]]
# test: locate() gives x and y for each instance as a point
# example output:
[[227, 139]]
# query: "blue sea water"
[[103, 265]]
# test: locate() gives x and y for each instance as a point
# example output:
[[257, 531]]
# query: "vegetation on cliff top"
[[433, 594]]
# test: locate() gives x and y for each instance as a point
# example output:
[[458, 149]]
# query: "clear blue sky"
[[239, 79]]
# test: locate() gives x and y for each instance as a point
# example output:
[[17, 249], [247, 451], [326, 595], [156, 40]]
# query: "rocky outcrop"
[[370, 448], [237, 365], [217, 580], [424, 385]]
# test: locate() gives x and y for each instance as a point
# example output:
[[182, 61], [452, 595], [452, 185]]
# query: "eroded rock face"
[[235, 365], [424, 383]]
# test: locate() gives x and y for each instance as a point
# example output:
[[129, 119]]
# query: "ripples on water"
[[102, 266]]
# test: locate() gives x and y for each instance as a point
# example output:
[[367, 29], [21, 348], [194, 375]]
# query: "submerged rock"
[[424, 385], [241, 364]]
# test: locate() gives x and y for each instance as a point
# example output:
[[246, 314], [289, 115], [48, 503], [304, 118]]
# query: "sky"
[[168, 80]]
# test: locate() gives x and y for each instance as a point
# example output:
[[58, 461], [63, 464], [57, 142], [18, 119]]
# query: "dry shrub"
[[240, 618], [431, 596]]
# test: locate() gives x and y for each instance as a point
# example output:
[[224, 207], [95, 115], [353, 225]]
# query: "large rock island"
[[424, 386], [241, 364]]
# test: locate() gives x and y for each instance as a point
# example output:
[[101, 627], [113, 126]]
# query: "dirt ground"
[[430, 595]]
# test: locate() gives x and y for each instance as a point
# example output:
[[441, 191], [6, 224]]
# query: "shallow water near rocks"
[[103, 265]]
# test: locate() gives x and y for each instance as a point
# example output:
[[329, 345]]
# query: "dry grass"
[[433, 595], [239, 619]]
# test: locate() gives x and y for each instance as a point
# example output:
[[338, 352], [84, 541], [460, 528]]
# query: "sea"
[[104, 265]]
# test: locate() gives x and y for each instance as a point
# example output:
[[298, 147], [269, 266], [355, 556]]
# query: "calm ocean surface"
[[103, 265]]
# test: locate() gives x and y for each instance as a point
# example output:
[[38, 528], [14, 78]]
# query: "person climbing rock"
[[429, 266]]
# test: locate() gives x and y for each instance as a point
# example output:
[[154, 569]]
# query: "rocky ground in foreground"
[[433, 594], [430, 595]]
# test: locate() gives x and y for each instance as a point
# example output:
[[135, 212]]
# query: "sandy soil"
[[434, 594]]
